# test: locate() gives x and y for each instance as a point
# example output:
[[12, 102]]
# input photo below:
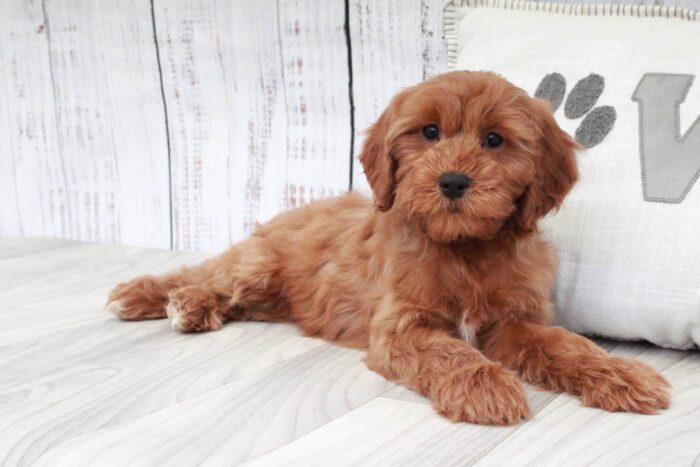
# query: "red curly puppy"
[[445, 280]]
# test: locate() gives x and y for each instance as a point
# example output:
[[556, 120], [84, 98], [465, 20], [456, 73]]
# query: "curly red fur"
[[451, 297]]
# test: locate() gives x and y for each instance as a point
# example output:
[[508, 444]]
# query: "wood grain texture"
[[388, 432], [239, 420], [565, 434], [80, 387], [72, 281], [128, 374], [109, 121], [387, 56], [32, 179], [258, 108], [16, 247]]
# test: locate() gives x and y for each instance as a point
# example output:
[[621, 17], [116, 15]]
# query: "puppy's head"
[[465, 155]]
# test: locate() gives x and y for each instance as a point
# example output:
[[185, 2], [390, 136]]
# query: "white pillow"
[[628, 236]]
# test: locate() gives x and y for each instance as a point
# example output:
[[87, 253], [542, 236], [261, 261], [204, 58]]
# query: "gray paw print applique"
[[597, 122]]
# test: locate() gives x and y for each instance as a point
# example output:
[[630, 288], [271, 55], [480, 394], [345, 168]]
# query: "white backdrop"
[[181, 123]]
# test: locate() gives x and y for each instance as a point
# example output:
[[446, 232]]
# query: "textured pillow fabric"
[[626, 82]]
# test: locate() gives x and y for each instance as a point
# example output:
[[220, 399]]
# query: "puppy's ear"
[[556, 170], [378, 162]]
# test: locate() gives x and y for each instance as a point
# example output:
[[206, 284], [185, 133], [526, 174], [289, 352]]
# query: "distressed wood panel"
[[32, 179], [395, 44], [109, 121], [258, 110], [317, 101], [690, 4]]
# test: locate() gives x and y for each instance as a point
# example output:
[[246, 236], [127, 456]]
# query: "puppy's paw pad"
[[192, 309], [624, 385], [489, 396]]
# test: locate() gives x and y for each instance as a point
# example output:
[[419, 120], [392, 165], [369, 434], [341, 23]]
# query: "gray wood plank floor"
[[78, 387]]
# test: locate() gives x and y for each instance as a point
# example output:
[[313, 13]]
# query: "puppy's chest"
[[471, 296], [468, 329], [485, 298]]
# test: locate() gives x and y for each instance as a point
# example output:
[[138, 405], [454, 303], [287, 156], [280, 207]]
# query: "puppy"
[[444, 278]]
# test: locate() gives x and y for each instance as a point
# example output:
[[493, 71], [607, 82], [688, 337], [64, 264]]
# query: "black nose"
[[453, 184]]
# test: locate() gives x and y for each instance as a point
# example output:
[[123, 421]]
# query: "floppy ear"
[[556, 169], [378, 163]]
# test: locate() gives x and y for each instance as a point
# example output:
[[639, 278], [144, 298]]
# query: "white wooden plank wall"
[[258, 110], [28, 143], [88, 121], [395, 44], [239, 110], [109, 120]]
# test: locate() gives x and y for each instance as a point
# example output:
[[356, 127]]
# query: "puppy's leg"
[[197, 308], [242, 284], [144, 297], [462, 383], [559, 360], [186, 291], [203, 297]]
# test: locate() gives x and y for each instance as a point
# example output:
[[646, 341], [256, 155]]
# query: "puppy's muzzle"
[[453, 185]]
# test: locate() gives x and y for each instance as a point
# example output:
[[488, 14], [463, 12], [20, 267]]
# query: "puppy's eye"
[[493, 140], [431, 132]]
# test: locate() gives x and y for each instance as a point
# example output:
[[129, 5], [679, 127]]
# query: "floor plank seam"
[[523, 425], [314, 430], [34, 255]]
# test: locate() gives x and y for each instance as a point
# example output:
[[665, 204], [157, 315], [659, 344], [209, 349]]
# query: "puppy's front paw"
[[194, 309], [141, 298], [622, 385], [490, 396]]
